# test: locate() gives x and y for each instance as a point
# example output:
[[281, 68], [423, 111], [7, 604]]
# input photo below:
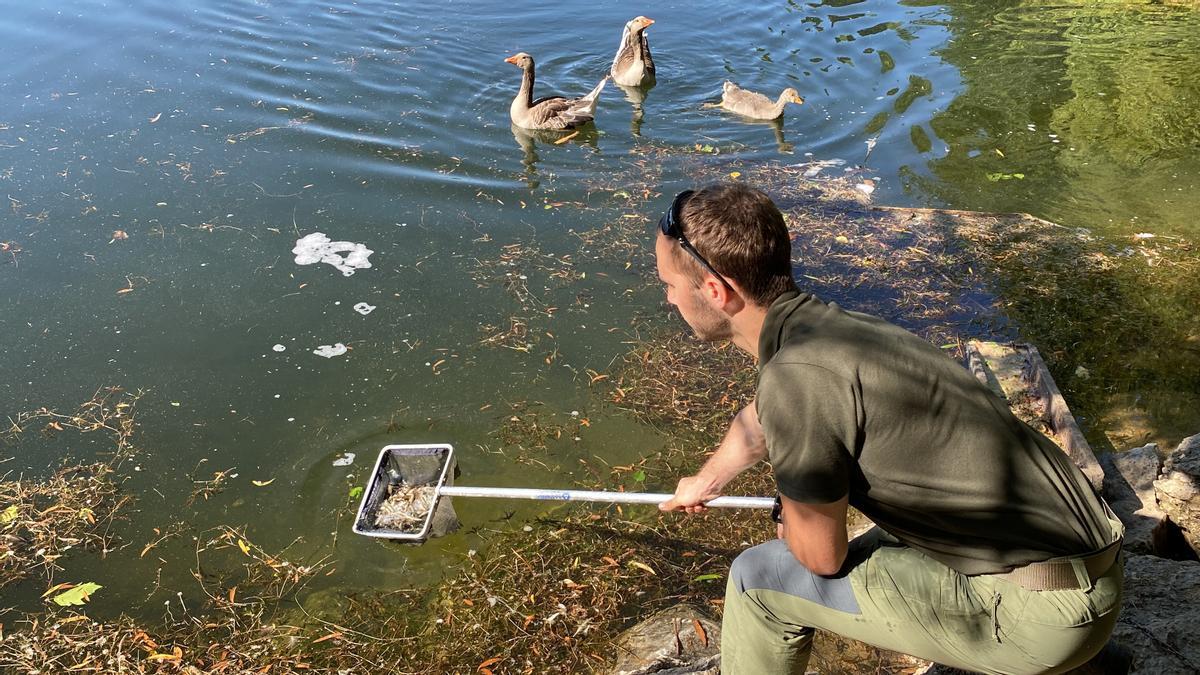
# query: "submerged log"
[[1017, 373]]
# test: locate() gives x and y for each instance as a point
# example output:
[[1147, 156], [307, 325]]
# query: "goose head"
[[520, 59], [638, 24], [790, 95]]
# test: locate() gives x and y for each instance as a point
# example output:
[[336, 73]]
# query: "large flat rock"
[[1160, 615], [1178, 490]]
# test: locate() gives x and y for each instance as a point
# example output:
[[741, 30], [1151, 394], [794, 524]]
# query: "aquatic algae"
[[346, 256]]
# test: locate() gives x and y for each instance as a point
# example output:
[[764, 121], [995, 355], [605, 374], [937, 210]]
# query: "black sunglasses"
[[669, 225]]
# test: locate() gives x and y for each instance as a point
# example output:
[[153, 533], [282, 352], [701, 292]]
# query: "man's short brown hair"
[[741, 232]]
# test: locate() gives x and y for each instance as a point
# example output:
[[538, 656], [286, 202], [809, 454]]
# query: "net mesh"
[[403, 492]]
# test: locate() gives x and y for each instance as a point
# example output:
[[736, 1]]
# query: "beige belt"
[[1059, 574]]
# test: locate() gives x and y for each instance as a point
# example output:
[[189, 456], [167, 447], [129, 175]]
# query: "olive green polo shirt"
[[851, 404]]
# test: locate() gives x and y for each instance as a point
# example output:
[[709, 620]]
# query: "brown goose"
[[549, 112], [633, 66], [751, 104]]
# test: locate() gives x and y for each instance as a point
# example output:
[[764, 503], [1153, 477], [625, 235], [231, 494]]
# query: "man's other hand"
[[690, 495]]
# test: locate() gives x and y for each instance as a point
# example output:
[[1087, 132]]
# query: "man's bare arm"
[[816, 534], [742, 447]]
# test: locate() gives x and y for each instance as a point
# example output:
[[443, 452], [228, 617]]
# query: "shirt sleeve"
[[809, 417]]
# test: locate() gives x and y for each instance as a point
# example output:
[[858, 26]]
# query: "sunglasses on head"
[[670, 226]]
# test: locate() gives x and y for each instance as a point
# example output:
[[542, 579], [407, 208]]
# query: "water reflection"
[[776, 126], [1081, 115], [528, 140], [636, 97]]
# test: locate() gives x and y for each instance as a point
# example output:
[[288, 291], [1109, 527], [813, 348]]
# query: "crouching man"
[[990, 552]]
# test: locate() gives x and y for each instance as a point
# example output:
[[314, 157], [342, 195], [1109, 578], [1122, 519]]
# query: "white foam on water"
[[279, 348], [346, 459], [330, 351], [347, 256], [364, 309]]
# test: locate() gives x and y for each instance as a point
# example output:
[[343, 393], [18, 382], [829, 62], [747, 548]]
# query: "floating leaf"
[[175, 655], [262, 483], [244, 546], [564, 139], [1005, 176], [77, 595], [356, 492], [331, 636], [707, 577], [56, 587], [10, 514], [639, 476], [642, 566]]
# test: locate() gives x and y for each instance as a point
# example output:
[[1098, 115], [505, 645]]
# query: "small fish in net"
[[406, 507]]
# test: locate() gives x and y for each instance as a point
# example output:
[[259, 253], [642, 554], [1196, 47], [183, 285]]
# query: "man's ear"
[[721, 296]]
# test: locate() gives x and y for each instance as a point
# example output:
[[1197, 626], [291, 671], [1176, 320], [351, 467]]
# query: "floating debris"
[[364, 309], [330, 351], [406, 507], [278, 348], [346, 459], [811, 169], [316, 247]]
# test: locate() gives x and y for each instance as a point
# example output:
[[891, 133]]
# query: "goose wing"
[[626, 53], [646, 55], [556, 112]]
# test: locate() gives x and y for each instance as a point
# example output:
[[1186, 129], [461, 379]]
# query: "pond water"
[[161, 161]]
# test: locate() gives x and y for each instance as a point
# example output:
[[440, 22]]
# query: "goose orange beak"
[[511, 59], [646, 21]]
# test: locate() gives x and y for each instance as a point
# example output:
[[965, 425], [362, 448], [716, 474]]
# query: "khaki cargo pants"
[[899, 599]]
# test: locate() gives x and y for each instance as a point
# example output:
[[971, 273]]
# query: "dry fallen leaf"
[[700, 632], [564, 139], [262, 483], [57, 587], [642, 566]]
